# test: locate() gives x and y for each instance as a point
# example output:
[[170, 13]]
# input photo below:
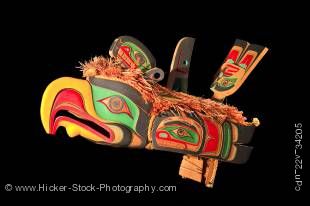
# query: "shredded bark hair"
[[162, 98]]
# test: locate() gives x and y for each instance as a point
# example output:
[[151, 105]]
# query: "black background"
[[41, 52]]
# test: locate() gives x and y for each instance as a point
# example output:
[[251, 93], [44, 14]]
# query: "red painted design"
[[230, 69], [124, 54], [212, 142], [160, 132], [70, 100], [233, 54], [247, 60], [183, 71], [179, 58]]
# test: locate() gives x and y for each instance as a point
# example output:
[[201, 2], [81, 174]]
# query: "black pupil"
[[156, 75], [181, 132]]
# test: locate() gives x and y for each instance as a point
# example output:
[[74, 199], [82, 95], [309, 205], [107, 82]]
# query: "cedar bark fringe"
[[162, 99]]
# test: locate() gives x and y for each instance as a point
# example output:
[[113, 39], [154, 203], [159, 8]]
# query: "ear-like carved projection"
[[133, 54], [179, 70], [119, 104]]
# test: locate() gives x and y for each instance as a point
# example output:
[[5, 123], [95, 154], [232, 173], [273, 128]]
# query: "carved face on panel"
[[178, 133]]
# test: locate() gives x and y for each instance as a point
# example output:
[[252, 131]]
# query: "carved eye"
[[178, 133], [139, 58], [181, 132], [117, 105], [225, 82]]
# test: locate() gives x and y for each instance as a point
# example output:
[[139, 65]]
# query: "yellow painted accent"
[[55, 87], [84, 88], [74, 130], [118, 133]]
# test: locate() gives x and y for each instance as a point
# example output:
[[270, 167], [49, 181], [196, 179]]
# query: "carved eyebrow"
[[181, 124]]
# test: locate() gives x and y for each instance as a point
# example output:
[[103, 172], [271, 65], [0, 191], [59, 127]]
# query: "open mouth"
[[67, 102], [69, 111], [87, 124]]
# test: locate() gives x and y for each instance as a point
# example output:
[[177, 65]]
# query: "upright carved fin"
[[178, 77]]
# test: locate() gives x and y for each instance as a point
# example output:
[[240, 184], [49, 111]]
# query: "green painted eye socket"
[[227, 82], [182, 133], [116, 104]]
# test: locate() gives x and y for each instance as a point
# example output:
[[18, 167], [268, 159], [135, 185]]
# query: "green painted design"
[[103, 112], [134, 51], [230, 61], [181, 133], [243, 66], [232, 79], [226, 83], [227, 140]]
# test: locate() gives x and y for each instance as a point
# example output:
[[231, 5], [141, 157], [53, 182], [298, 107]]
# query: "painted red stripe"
[[232, 66], [228, 73], [183, 71], [233, 54], [232, 70], [247, 60], [212, 143]]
